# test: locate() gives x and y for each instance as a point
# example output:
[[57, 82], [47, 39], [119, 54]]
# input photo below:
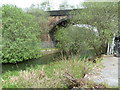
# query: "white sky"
[[27, 3]]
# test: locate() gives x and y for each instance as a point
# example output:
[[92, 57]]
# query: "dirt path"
[[108, 73]]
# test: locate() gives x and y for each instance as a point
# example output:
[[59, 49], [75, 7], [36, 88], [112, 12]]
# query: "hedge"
[[20, 35]]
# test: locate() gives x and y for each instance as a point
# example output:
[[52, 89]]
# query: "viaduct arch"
[[58, 18]]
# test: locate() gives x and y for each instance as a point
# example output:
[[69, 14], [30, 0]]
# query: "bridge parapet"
[[57, 15], [55, 19]]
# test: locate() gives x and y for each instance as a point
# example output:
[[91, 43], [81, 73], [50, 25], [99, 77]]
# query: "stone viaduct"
[[58, 18]]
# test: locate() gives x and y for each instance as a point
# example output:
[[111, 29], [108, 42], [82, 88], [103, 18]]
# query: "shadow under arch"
[[61, 23]]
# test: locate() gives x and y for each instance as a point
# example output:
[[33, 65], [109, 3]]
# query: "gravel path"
[[108, 73]]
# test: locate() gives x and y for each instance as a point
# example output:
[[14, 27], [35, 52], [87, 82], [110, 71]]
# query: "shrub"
[[73, 40], [20, 35]]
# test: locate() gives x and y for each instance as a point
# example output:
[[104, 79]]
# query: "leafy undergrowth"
[[67, 73]]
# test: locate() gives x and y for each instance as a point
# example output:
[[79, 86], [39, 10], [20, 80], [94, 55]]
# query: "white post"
[[113, 44], [108, 48]]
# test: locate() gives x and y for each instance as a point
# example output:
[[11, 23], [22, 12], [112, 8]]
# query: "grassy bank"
[[58, 74]]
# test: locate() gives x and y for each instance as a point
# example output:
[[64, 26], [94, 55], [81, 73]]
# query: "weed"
[[50, 75]]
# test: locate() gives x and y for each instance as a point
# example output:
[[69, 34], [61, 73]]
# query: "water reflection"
[[29, 63]]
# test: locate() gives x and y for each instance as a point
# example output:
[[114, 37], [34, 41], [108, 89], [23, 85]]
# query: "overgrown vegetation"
[[96, 15], [21, 41], [104, 17], [20, 35], [59, 74], [74, 40]]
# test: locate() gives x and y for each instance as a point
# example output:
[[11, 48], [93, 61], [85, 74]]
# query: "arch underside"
[[61, 23]]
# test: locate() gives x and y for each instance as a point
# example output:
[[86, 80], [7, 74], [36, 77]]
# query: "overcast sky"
[[27, 3]]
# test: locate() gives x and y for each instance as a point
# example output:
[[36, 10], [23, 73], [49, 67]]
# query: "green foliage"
[[45, 5], [64, 5], [0, 33], [103, 16], [41, 17], [20, 35], [73, 40]]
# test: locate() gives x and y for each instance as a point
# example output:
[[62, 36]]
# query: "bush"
[[20, 35], [74, 39]]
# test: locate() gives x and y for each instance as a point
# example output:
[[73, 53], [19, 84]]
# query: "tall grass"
[[51, 75]]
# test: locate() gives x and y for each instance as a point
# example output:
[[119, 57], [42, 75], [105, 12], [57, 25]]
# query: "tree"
[[0, 33], [41, 17], [103, 16], [20, 35], [45, 6], [65, 5], [74, 40]]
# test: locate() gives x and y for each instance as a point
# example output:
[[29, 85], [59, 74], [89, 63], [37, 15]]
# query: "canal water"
[[45, 59]]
